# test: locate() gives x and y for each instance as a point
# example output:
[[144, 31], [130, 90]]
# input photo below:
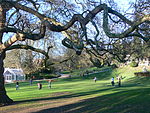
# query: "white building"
[[12, 75], [144, 61], [141, 61]]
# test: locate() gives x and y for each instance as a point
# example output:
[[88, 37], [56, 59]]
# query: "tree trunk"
[[4, 99]]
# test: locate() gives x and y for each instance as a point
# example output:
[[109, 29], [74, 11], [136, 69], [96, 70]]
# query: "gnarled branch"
[[27, 47]]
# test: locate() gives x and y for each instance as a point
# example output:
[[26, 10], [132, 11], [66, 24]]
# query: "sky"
[[124, 4]]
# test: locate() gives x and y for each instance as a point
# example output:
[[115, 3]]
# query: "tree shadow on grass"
[[131, 101], [63, 95], [67, 95]]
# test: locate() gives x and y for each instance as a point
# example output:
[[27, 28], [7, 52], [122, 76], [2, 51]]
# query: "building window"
[[12, 77], [9, 77]]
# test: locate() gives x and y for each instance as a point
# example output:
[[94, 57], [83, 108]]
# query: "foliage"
[[133, 64], [114, 66], [39, 75]]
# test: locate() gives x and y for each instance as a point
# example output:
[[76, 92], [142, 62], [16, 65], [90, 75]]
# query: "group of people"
[[112, 80], [38, 84], [118, 79], [50, 81], [49, 84]]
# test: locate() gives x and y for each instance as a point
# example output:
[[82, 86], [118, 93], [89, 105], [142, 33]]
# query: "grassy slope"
[[84, 95]]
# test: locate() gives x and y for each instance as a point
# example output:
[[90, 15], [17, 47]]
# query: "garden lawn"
[[82, 95]]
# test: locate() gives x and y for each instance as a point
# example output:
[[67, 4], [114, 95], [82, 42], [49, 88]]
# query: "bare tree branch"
[[27, 47], [58, 27]]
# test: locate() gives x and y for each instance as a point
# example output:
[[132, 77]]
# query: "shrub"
[[47, 71], [49, 76], [114, 66], [133, 64]]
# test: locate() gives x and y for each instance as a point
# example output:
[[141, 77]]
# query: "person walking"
[[119, 81], [112, 81], [95, 79], [17, 85], [49, 84], [39, 86], [31, 81]]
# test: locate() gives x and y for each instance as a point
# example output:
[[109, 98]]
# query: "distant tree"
[[12, 59], [140, 47], [76, 61]]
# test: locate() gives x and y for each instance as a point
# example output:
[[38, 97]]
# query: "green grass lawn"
[[84, 95]]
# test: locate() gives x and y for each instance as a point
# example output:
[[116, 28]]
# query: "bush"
[[133, 64], [49, 76], [47, 71], [42, 76], [114, 66]]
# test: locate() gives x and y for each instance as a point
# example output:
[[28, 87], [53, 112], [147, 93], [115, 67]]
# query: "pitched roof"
[[14, 71]]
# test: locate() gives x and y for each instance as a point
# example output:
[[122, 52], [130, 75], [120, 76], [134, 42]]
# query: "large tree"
[[39, 21], [142, 49]]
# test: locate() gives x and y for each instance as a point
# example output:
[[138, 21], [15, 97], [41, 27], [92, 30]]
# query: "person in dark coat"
[[39, 86], [17, 85]]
